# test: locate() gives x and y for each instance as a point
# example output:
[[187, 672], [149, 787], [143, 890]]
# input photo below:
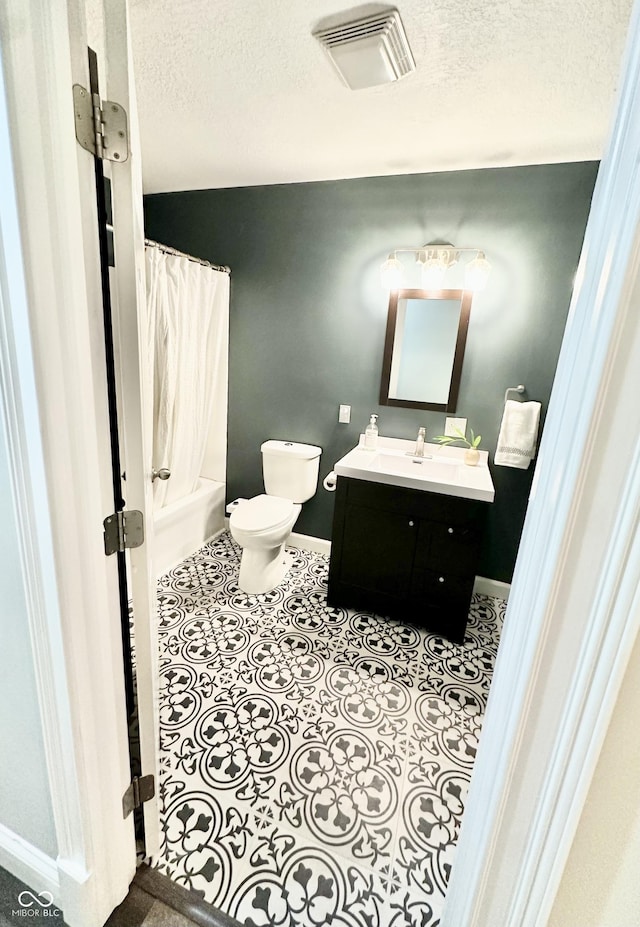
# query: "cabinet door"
[[378, 550], [452, 548]]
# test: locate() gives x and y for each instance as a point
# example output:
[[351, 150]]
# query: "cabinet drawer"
[[449, 510]]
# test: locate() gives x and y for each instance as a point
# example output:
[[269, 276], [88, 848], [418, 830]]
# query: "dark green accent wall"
[[308, 313]]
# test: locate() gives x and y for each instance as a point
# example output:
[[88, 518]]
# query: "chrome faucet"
[[419, 451]]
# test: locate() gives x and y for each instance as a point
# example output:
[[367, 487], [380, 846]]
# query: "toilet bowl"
[[262, 525]]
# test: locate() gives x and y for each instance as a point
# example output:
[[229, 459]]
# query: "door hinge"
[[123, 530], [101, 125], [142, 788]]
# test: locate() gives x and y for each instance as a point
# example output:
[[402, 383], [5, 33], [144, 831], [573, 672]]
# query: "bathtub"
[[183, 526]]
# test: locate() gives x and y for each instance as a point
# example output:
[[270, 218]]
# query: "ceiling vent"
[[369, 51]]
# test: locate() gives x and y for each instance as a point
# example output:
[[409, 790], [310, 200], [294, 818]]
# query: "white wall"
[[25, 798], [600, 885]]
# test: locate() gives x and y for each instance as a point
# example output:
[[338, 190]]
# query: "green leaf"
[[459, 438]]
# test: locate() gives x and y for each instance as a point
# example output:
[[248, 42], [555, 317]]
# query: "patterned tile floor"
[[314, 761]]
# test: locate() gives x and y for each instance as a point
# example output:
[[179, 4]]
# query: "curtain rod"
[[156, 244]]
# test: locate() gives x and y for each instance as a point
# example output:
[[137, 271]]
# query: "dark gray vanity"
[[408, 546]]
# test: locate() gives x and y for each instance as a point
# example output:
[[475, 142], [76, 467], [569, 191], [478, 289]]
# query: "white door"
[[106, 31], [136, 387]]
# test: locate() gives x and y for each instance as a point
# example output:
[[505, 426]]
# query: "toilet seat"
[[263, 513]]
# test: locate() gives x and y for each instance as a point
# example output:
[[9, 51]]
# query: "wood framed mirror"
[[424, 348]]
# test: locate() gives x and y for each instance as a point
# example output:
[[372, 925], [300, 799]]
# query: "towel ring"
[[514, 389]]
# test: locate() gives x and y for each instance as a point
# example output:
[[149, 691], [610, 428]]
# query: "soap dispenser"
[[371, 433]]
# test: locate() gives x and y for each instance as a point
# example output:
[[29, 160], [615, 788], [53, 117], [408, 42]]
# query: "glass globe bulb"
[[477, 273], [433, 271], [391, 274]]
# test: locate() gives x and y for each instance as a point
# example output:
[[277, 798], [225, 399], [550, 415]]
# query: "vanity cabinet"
[[406, 553]]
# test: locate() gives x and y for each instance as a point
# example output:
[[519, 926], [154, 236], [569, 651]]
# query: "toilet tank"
[[290, 470]]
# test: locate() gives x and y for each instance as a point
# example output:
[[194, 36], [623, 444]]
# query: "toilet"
[[262, 525]]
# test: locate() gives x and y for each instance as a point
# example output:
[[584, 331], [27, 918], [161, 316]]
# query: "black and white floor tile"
[[314, 761]]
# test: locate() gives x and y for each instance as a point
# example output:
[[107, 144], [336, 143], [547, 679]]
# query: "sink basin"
[[441, 470], [422, 468]]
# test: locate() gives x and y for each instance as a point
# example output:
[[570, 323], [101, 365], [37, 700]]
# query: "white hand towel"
[[518, 434]]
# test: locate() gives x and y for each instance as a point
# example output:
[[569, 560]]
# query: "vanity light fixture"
[[436, 261]]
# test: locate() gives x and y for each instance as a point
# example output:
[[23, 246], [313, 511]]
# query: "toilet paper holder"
[[330, 481]]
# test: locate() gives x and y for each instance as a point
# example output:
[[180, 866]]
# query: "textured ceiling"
[[238, 92]]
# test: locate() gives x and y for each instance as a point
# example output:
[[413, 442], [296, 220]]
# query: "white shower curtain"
[[188, 317]]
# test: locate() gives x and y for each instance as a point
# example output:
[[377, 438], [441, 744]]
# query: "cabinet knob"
[[440, 579], [411, 524], [450, 530]]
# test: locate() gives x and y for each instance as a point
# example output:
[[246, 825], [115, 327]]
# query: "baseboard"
[[28, 864], [492, 587], [307, 542]]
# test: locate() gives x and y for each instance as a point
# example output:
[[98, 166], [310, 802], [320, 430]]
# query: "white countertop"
[[441, 470]]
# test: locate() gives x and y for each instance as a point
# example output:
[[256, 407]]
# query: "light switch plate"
[[344, 415], [451, 423]]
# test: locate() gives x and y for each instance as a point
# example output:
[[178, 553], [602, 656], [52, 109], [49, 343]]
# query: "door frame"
[[573, 615], [503, 874], [59, 447]]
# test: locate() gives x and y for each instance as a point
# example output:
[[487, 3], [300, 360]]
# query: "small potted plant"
[[472, 454]]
